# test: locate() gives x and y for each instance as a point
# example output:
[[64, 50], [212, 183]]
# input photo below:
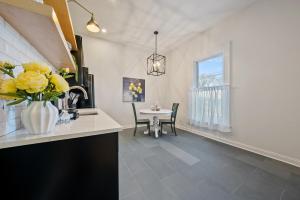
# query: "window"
[[210, 72], [210, 97]]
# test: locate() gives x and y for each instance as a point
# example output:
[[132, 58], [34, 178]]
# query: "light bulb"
[[92, 25], [93, 28], [156, 66]]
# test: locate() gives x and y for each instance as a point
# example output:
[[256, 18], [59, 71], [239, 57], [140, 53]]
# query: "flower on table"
[[36, 67], [8, 86], [31, 82], [36, 83], [61, 85]]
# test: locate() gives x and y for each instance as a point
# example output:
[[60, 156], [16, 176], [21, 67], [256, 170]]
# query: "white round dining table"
[[156, 115]]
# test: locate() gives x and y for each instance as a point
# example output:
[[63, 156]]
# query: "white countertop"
[[87, 125]]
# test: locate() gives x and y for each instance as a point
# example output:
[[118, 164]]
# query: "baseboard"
[[263, 152]]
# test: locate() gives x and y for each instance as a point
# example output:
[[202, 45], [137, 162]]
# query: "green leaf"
[[22, 93], [50, 96], [68, 76], [10, 95], [3, 70], [9, 66], [16, 102], [54, 98], [8, 72]]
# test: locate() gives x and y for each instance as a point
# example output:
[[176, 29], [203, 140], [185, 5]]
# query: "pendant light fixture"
[[91, 25], [156, 63]]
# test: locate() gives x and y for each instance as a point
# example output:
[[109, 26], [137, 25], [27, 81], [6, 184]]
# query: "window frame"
[[225, 51], [209, 58]]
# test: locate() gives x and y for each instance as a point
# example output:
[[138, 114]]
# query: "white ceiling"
[[132, 22]]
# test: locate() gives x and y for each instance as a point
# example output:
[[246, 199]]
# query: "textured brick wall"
[[15, 49]]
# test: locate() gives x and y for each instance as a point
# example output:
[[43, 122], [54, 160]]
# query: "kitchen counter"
[[78, 160], [87, 125]]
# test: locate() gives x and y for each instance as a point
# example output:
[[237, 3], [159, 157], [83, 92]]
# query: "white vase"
[[39, 117]]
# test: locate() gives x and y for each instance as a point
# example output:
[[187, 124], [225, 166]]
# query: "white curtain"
[[210, 108]]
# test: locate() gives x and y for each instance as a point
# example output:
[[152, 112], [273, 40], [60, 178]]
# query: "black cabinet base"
[[82, 168]]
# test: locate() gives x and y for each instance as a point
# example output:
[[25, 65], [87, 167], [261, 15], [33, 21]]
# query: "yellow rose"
[[8, 86], [36, 67], [61, 85], [32, 82]]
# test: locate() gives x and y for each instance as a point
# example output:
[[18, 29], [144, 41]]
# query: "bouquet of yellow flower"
[[135, 90], [36, 83]]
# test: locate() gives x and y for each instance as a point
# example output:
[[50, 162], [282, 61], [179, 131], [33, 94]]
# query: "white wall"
[[109, 62], [265, 77], [15, 49]]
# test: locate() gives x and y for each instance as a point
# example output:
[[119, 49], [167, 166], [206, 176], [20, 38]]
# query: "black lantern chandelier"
[[156, 64]]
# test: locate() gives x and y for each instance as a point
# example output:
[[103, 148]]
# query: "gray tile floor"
[[190, 167]]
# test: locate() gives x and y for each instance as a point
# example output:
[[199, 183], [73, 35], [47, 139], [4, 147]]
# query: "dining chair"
[[171, 121], [140, 121]]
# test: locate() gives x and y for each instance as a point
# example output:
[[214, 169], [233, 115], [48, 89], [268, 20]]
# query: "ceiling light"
[[104, 30], [156, 64], [92, 25]]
